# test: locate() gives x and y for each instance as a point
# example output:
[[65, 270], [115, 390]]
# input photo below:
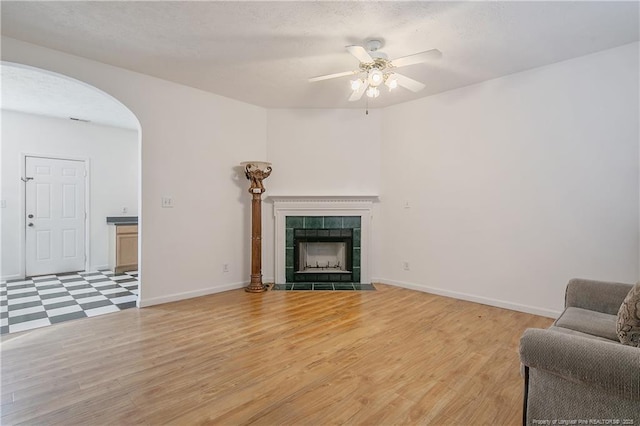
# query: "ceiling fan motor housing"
[[378, 63]]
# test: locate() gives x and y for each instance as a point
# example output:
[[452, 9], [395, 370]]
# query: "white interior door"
[[55, 216]]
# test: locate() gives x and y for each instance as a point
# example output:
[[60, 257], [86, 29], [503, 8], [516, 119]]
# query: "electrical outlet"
[[225, 267], [167, 202], [125, 210], [405, 265]]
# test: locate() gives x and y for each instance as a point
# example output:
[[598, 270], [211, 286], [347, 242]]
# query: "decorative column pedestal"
[[256, 172]]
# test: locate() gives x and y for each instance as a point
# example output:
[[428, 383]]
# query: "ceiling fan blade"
[[336, 75], [416, 58], [409, 83], [357, 94], [360, 53]]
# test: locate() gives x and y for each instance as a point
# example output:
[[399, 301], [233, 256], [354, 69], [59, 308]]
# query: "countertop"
[[122, 220]]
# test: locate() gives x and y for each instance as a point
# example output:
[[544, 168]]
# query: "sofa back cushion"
[[628, 324]]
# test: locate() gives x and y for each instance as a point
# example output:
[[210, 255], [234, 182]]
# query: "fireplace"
[[323, 255], [322, 213]]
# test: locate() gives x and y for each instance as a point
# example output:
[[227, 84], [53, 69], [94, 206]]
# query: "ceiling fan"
[[376, 69]]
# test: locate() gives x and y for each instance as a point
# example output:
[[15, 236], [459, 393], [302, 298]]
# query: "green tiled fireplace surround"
[[322, 222]]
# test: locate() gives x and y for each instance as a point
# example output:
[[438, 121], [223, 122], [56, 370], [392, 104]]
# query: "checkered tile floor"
[[45, 300]]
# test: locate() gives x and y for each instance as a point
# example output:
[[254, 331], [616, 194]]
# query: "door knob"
[[30, 216], [30, 224]]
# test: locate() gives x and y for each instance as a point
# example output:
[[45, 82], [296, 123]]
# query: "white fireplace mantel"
[[322, 205]]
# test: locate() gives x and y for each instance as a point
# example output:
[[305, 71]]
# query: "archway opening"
[[70, 185]]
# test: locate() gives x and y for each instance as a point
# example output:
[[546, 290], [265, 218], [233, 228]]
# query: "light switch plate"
[[167, 202]]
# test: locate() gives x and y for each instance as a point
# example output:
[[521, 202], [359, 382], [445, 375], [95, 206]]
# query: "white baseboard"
[[472, 298], [143, 303]]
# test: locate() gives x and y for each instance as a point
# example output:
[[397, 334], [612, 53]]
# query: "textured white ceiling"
[[34, 91], [264, 52]]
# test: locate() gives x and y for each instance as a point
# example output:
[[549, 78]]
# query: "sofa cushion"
[[628, 321], [578, 333], [589, 322]]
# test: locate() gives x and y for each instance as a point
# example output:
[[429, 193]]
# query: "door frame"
[[23, 205]]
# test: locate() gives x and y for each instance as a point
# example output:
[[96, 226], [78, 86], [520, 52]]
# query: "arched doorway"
[[70, 174]]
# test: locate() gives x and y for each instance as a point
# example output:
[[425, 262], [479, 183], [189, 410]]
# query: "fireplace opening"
[[323, 255], [328, 257]]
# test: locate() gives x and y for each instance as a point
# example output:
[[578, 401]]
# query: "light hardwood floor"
[[392, 356]]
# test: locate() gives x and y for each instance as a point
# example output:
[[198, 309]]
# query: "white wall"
[[517, 184], [192, 142], [319, 152], [324, 151], [113, 171]]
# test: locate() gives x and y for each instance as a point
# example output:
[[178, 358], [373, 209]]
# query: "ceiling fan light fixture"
[[373, 92], [375, 77], [391, 81], [376, 69]]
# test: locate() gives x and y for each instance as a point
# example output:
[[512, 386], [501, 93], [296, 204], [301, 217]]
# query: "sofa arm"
[[600, 296], [612, 367]]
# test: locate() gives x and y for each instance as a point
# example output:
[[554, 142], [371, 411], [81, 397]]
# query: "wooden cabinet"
[[123, 248]]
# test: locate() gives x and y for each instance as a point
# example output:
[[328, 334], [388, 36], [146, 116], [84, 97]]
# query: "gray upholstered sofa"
[[577, 370]]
